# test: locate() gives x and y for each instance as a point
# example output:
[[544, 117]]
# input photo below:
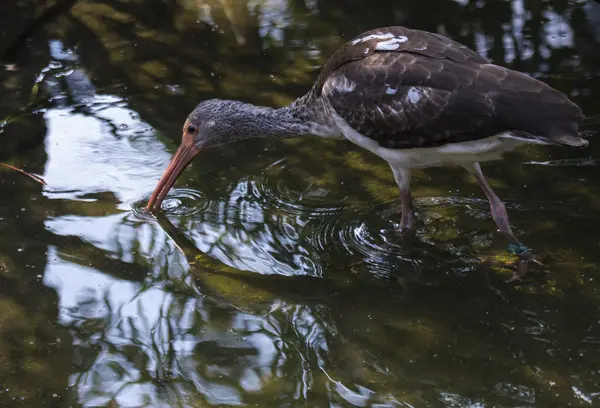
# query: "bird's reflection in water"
[[252, 233], [221, 325], [321, 323], [341, 337]]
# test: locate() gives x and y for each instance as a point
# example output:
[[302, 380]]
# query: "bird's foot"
[[525, 259], [518, 263], [522, 267], [523, 253]]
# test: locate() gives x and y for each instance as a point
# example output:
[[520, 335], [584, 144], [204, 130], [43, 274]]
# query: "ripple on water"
[[370, 235], [288, 230], [313, 201], [180, 202], [373, 233]]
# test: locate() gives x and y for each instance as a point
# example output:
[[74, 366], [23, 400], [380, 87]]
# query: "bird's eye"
[[191, 129]]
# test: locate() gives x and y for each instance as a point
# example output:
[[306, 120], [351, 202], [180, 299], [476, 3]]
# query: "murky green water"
[[274, 278]]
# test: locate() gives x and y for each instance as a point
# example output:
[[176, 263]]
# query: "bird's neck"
[[306, 116]]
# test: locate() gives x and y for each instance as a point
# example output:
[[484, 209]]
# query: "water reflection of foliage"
[[338, 335], [221, 333]]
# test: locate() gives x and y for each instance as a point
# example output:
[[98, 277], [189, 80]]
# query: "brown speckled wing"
[[428, 91], [398, 39], [403, 101]]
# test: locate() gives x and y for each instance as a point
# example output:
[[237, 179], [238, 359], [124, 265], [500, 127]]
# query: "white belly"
[[491, 148]]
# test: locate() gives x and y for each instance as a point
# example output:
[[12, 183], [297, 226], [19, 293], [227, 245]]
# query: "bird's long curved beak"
[[183, 156]]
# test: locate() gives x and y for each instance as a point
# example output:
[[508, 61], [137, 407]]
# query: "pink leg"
[[497, 207], [402, 177], [500, 216]]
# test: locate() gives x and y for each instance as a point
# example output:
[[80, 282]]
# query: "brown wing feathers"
[[416, 89]]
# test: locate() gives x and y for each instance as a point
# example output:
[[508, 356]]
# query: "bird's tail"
[[570, 141]]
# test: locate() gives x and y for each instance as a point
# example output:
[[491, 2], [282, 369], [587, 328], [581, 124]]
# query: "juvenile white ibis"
[[415, 99]]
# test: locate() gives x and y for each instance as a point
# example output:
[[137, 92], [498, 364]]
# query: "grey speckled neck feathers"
[[226, 121]]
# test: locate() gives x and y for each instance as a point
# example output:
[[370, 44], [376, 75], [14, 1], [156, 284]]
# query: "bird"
[[414, 98]]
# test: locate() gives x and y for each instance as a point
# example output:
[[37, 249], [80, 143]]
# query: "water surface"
[[274, 277]]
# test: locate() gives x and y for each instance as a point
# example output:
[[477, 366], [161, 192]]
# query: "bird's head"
[[206, 126]]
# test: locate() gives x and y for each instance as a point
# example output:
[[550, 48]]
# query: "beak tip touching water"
[[149, 208], [185, 154]]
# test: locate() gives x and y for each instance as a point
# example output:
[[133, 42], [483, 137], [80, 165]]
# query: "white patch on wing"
[[388, 41], [392, 44], [390, 91], [414, 95], [372, 37], [338, 84]]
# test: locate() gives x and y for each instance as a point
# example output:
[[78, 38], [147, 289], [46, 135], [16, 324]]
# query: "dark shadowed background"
[[274, 278]]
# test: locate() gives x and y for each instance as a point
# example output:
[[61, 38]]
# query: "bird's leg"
[[402, 176], [497, 207], [500, 216]]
